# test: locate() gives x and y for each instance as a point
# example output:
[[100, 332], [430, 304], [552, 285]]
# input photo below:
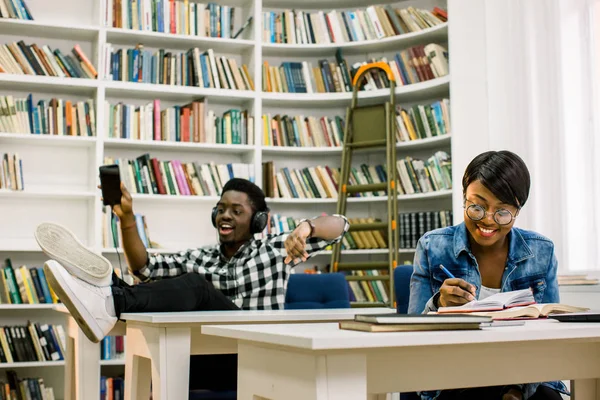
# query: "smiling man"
[[240, 273]]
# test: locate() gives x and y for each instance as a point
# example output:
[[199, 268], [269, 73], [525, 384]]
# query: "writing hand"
[[456, 292]]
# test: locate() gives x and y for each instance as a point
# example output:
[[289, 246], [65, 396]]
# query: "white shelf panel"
[[48, 140], [433, 142], [52, 84], [414, 92], [5, 193], [171, 198], [112, 362], [27, 307], [166, 40], [364, 252], [404, 197], [174, 92], [32, 364], [434, 34], [178, 146], [46, 30]]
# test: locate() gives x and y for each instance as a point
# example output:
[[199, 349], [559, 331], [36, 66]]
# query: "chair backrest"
[[317, 291], [402, 274]]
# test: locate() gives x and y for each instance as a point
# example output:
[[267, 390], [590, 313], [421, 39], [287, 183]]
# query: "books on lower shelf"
[[15, 9], [24, 388], [147, 175], [172, 16], [47, 117], [32, 342], [189, 123], [301, 131], [22, 59], [413, 225], [367, 239], [24, 285], [368, 290], [422, 121], [113, 348], [112, 388], [111, 230], [372, 23], [11, 172], [191, 68]]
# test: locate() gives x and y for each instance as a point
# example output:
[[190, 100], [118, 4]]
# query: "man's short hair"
[[255, 194]]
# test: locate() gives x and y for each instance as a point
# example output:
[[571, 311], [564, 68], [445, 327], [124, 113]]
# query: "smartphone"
[[110, 181]]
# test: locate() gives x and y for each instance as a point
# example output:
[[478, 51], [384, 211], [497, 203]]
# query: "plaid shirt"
[[255, 278]]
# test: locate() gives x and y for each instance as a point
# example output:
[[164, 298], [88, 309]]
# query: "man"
[[240, 273]]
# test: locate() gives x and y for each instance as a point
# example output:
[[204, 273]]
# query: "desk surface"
[[328, 336], [332, 314]]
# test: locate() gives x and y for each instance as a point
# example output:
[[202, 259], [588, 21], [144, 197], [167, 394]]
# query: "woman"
[[487, 255]]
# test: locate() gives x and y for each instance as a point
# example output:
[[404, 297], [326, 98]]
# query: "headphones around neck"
[[257, 224]]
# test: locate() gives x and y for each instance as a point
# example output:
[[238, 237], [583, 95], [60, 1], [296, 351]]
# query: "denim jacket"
[[531, 264]]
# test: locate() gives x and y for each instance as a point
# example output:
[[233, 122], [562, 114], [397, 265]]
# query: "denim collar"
[[518, 250]]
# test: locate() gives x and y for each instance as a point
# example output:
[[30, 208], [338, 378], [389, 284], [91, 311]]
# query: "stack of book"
[[112, 348], [47, 117], [24, 388], [16, 9], [32, 342], [112, 388], [191, 68], [413, 225], [189, 123], [111, 230], [21, 59], [24, 285], [423, 121], [300, 131], [172, 16], [414, 322], [372, 23], [151, 176], [415, 64], [11, 172]]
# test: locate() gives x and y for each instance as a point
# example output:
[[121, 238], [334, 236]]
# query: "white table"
[[320, 361], [159, 345]]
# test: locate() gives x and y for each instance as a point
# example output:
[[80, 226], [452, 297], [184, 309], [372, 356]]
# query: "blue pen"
[[447, 272]]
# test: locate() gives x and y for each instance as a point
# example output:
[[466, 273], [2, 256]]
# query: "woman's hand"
[[456, 292], [295, 243]]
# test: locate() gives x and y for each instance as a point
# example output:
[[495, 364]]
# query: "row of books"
[[47, 117], [413, 65], [413, 225], [11, 172], [15, 9], [111, 230], [423, 121], [189, 123], [112, 388], [172, 16], [32, 342], [189, 68], [300, 131], [424, 176], [369, 291], [21, 59], [24, 285], [372, 23], [152, 176], [112, 347], [24, 388]]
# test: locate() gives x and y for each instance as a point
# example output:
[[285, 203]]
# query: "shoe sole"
[[84, 319], [62, 245]]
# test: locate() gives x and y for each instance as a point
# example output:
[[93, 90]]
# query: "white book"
[[376, 23]]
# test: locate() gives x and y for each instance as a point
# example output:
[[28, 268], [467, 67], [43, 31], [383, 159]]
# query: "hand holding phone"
[[110, 182]]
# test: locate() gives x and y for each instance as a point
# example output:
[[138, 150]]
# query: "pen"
[[447, 272]]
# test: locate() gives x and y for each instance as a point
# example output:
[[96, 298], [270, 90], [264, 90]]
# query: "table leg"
[[82, 374], [137, 377], [585, 389]]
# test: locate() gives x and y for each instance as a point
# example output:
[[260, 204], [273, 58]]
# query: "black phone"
[[110, 181]]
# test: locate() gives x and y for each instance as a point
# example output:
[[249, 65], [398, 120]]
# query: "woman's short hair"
[[504, 173], [255, 194]]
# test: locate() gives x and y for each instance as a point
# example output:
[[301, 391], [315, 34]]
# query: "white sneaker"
[[60, 244], [85, 302]]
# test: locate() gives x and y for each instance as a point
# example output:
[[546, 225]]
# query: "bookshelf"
[[61, 172]]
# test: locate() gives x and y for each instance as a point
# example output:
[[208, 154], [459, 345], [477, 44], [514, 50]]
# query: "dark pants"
[[496, 393], [187, 292]]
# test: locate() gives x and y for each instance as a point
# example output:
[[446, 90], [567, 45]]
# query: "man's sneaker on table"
[[60, 244], [87, 303]]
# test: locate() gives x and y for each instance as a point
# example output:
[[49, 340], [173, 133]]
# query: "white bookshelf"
[[61, 173]]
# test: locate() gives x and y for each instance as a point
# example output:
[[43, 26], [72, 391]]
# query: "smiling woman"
[[487, 254]]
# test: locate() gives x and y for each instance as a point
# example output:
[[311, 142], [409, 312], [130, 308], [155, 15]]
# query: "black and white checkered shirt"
[[255, 278]]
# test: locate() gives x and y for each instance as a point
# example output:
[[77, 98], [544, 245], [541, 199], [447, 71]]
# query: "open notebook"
[[499, 301], [531, 311]]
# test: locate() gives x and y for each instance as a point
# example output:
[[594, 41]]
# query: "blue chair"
[[307, 291]]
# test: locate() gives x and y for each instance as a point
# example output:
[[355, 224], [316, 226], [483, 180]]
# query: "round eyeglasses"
[[477, 213]]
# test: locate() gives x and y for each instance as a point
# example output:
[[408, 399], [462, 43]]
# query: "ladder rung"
[[368, 278], [364, 304], [372, 226], [364, 265], [371, 187], [364, 145]]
